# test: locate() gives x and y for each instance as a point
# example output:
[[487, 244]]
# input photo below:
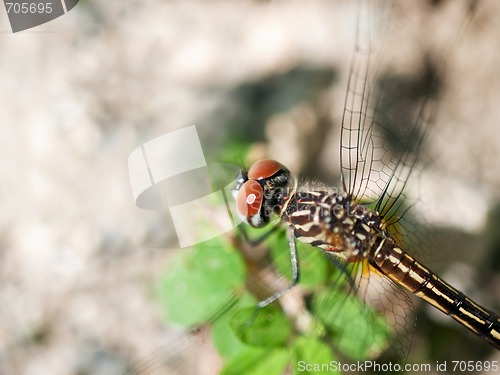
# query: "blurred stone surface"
[[78, 260]]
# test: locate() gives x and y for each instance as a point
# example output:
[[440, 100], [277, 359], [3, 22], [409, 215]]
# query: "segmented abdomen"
[[406, 271]]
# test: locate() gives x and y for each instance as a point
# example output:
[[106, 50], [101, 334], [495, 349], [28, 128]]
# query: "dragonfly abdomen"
[[406, 271]]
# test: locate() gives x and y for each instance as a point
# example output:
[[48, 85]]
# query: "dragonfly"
[[362, 224], [353, 233], [339, 223]]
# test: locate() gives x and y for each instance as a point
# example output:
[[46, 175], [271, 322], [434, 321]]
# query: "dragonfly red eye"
[[264, 169], [249, 199]]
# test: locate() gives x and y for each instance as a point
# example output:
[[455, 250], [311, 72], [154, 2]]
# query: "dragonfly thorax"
[[331, 221]]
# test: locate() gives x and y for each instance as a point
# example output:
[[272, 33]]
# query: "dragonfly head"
[[264, 189]]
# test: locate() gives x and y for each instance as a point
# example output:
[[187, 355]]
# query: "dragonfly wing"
[[357, 119], [397, 308]]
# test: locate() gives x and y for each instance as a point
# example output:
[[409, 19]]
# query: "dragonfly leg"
[[258, 240], [344, 271], [295, 271]]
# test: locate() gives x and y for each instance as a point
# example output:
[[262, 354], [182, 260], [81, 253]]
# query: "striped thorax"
[[329, 220]]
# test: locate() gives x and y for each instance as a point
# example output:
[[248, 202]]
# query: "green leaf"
[[234, 151], [266, 327], [311, 356], [257, 361], [223, 336], [312, 262], [359, 331], [201, 282]]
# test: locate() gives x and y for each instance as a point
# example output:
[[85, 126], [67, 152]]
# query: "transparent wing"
[[385, 120], [367, 307], [396, 306], [176, 357], [357, 120], [388, 114]]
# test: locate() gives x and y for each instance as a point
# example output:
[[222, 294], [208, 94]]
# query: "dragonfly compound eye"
[[249, 202], [264, 169]]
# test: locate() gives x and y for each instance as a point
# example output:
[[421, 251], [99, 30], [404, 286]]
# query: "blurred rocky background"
[[78, 259]]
